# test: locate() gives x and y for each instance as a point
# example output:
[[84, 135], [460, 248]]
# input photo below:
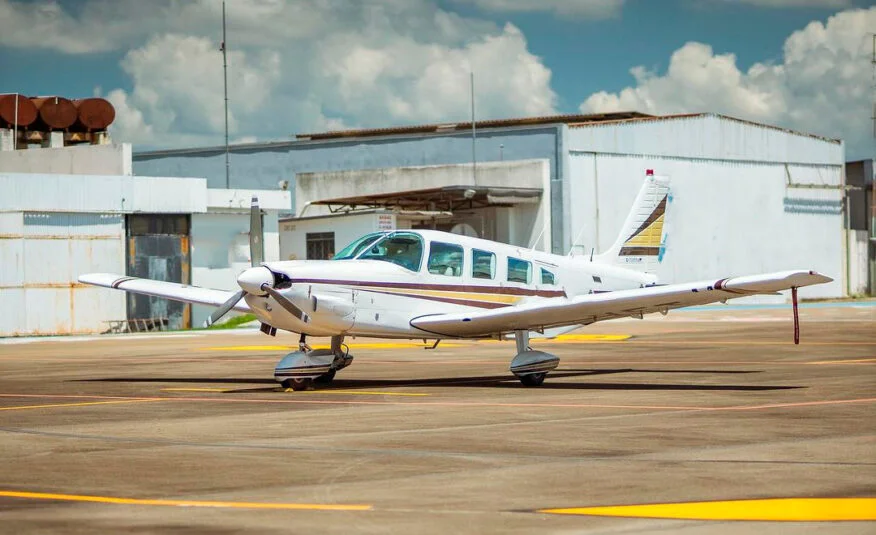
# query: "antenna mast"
[[225, 84]]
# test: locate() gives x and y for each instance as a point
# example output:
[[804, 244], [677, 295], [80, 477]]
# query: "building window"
[[519, 270], [547, 277], [320, 245], [445, 259], [483, 264]]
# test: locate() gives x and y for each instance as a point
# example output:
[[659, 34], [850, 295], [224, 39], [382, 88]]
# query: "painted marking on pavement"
[[776, 509], [456, 403], [844, 361], [360, 393], [82, 404], [194, 390], [184, 503]]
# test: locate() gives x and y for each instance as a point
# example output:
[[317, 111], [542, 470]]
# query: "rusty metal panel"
[[42, 254], [12, 319], [48, 310]]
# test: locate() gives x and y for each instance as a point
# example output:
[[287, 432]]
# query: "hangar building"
[[746, 197]]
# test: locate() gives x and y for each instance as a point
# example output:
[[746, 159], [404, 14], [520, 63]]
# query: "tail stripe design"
[[645, 241]]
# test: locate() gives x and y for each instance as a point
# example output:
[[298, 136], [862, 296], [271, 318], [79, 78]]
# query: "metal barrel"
[[93, 114], [55, 113], [27, 112]]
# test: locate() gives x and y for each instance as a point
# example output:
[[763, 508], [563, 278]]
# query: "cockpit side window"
[[445, 259], [483, 264], [353, 250], [402, 248]]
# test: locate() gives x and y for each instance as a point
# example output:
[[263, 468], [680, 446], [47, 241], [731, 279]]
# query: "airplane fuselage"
[[444, 273]]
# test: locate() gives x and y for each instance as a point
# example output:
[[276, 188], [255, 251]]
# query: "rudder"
[[639, 244]]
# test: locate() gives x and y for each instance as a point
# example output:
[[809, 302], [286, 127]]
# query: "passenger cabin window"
[[483, 264], [402, 248], [445, 259], [519, 270], [547, 277], [353, 250]]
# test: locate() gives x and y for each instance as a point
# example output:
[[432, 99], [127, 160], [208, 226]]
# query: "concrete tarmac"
[[188, 433]]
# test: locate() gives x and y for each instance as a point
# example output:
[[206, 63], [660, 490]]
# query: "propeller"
[[257, 280]]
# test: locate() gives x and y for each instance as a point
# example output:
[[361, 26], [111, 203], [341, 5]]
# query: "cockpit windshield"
[[402, 248], [353, 250]]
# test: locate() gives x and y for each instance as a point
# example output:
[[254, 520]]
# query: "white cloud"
[[795, 3], [594, 9], [822, 86], [294, 65]]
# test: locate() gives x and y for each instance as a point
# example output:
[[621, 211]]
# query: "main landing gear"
[[300, 369], [530, 366]]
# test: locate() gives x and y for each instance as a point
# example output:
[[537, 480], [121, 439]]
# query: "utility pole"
[[474, 152], [225, 79]]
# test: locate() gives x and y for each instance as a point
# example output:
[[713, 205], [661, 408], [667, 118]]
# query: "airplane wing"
[[169, 290], [586, 309]]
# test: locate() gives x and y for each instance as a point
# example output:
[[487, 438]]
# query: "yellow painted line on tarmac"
[[845, 361], [185, 503], [194, 389], [246, 348], [360, 393], [776, 510], [591, 338], [747, 343], [80, 404]]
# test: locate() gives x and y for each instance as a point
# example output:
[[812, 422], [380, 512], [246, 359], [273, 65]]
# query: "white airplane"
[[430, 285]]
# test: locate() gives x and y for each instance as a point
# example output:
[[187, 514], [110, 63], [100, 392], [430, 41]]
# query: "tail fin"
[[639, 244]]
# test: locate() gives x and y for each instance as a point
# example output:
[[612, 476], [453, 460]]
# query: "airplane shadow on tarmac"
[[492, 381]]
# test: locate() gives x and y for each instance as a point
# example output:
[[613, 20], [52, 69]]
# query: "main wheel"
[[299, 383], [326, 377], [532, 379]]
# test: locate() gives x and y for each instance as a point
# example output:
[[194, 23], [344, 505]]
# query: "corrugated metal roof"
[[658, 118], [496, 123]]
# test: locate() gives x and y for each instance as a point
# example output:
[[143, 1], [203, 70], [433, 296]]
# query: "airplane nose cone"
[[252, 279]]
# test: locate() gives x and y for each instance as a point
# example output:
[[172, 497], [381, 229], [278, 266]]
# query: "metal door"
[[158, 248]]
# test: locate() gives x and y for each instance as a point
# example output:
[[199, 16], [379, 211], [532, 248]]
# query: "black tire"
[[298, 384], [532, 379], [326, 377]]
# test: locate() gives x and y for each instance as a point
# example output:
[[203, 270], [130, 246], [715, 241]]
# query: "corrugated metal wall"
[[56, 248], [724, 218]]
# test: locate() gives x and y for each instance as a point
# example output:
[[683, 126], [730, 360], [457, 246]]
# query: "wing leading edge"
[[169, 290], [586, 309]]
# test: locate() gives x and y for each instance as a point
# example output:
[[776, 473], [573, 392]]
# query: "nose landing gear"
[[300, 369]]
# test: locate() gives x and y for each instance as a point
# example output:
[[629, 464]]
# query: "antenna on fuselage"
[[572, 248]]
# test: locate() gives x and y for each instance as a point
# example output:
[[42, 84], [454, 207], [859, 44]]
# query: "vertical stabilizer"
[[639, 244]]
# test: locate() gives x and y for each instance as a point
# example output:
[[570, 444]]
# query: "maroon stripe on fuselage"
[[506, 290], [466, 302]]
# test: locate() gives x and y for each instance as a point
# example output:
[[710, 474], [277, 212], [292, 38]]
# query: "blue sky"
[[385, 62]]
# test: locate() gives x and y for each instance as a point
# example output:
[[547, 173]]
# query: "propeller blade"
[[224, 308], [287, 304], [256, 233]]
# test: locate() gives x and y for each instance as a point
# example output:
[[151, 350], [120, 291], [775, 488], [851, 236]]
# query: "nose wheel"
[[299, 383]]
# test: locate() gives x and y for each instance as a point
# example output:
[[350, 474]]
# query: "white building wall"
[[723, 219], [113, 159]]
